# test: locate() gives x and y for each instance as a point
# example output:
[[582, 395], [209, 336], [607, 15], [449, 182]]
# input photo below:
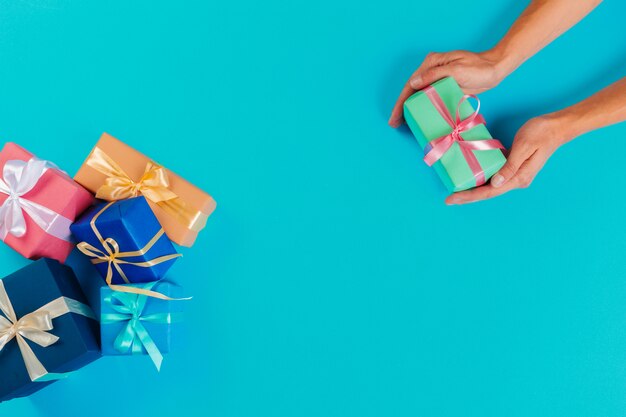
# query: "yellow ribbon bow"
[[34, 327], [114, 258], [154, 185]]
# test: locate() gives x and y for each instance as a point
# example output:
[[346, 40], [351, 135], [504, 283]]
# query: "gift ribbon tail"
[[51, 222], [33, 366], [474, 165], [54, 377], [147, 342], [135, 290], [437, 148], [483, 145], [147, 293]]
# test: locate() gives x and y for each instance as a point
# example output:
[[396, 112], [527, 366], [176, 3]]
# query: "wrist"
[[560, 126], [504, 63]]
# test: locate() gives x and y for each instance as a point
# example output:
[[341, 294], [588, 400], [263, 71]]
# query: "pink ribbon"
[[438, 147]]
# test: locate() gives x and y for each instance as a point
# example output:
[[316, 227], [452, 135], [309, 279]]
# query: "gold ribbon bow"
[[34, 327], [154, 185], [114, 258]]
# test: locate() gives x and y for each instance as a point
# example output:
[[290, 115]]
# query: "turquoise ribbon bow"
[[134, 337]]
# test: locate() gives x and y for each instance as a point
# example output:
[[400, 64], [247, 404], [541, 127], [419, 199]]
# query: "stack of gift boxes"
[[124, 212]]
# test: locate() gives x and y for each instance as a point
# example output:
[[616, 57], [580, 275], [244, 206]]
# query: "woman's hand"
[[538, 25], [475, 73], [534, 143]]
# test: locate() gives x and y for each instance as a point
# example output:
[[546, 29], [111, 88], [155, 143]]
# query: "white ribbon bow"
[[35, 327], [19, 178]]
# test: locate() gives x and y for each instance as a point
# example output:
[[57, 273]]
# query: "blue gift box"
[[28, 290], [125, 316], [130, 227]]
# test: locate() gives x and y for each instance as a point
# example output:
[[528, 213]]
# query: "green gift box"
[[428, 124]]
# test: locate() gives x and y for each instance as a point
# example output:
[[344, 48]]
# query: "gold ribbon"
[[35, 327], [115, 258], [154, 185]]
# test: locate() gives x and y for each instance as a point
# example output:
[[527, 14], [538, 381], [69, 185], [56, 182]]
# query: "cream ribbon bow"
[[35, 327]]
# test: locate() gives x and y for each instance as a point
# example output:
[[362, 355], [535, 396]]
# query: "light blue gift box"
[[135, 324]]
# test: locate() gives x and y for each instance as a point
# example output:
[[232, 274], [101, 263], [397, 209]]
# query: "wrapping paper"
[[55, 191], [181, 208], [29, 289], [427, 124], [130, 226], [133, 324]]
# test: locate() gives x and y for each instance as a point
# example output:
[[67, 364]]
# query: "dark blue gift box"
[[131, 225], [29, 289]]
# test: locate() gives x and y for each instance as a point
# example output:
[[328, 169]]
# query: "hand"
[[475, 73], [534, 143]]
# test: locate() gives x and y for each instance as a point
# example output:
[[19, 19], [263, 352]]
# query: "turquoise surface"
[[332, 280]]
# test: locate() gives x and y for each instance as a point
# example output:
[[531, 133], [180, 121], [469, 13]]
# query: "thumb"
[[509, 169], [431, 75]]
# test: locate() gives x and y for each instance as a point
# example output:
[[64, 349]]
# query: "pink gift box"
[[62, 199]]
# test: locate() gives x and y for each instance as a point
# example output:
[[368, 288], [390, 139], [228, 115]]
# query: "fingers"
[[433, 59], [420, 80], [518, 155], [430, 75], [478, 194], [396, 118], [522, 178]]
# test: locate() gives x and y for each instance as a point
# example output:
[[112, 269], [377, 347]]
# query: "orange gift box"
[[115, 171], [38, 203]]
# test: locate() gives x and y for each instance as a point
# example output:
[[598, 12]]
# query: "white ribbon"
[[18, 178], [35, 327]]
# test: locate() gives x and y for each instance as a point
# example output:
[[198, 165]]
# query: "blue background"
[[332, 280]]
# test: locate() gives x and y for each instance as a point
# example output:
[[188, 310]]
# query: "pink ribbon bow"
[[438, 147]]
